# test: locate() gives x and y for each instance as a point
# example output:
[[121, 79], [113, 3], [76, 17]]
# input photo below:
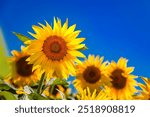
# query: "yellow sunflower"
[[95, 95], [91, 73], [55, 50], [145, 94], [55, 93], [22, 73], [123, 82]]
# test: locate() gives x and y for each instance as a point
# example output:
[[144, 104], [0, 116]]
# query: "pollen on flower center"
[[55, 48], [23, 68], [91, 74], [118, 80]]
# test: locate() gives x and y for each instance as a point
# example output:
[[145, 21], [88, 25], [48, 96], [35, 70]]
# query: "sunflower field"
[[40, 71]]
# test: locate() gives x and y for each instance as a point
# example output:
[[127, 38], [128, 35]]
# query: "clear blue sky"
[[113, 28]]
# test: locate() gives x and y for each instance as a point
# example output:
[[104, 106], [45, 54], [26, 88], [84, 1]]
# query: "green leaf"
[[1, 81], [60, 82], [5, 95], [22, 37], [35, 96], [7, 87], [39, 89], [4, 87], [4, 66]]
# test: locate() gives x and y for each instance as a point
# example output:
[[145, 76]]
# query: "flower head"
[[55, 50], [145, 94], [91, 73], [22, 73], [123, 82]]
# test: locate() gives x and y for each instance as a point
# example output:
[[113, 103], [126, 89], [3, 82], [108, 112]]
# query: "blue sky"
[[112, 28]]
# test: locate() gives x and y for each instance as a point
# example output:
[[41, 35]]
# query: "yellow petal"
[[65, 26], [76, 41], [130, 70], [70, 30], [76, 53]]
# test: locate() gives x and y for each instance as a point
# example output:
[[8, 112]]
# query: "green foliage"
[[22, 37], [4, 87], [36, 96], [39, 89], [5, 95], [60, 82], [4, 66], [1, 81]]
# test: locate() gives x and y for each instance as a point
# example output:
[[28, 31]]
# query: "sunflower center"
[[118, 80], [55, 48], [91, 74], [23, 68]]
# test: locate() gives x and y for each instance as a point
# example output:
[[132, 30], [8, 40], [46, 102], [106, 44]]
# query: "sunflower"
[[22, 73], [145, 94], [91, 73], [55, 92], [55, 50], [95, 95], [123, 82]]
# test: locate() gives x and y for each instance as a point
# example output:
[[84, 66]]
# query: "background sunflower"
[[91, 73], [123, 82], [21, 72], [145, 93]]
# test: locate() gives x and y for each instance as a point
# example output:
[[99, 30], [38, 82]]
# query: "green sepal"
[[22, 37]]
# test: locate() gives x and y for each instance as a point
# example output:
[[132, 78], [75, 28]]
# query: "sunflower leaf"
[[1, 81], [36, 96], [4, 87], [22, 37], [5, 95], [60, 82], [39, 89], [4, 66]]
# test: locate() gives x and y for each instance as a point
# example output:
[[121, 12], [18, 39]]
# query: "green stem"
[[47, 85], [52, 89], [39, 89]]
